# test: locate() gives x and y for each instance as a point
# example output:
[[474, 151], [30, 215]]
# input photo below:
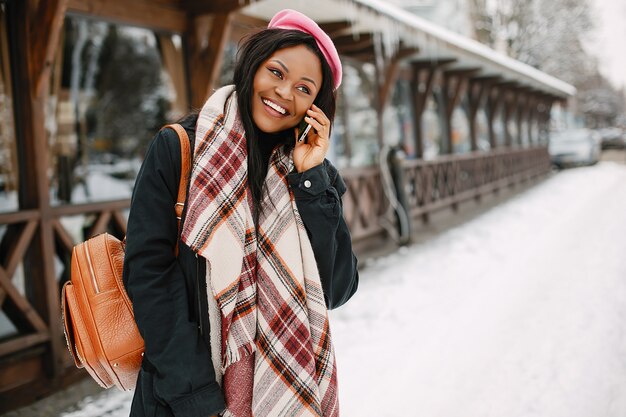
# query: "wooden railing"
[[36, 354], [433, 185], [364, 202], [450, 180]]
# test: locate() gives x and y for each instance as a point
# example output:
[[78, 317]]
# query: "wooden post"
[[422, 81], [489, 95], [476, 93], [175, 66], [495, 103], [36, 30], [520, 113], [205, 41], [391, 73], [386, 82], [510, 98], [378, 102], [530, 116], [544, 109], [454, 86]]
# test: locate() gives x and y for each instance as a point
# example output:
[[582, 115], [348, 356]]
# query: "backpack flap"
[[68, 327]]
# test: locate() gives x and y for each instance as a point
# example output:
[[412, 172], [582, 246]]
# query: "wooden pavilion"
[[409, 56]]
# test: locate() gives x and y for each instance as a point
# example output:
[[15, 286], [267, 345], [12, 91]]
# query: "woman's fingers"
[[318, 120], [317, 114], [319, 128]]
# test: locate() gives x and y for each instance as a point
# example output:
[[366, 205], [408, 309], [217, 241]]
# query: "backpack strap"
[[185, 167]]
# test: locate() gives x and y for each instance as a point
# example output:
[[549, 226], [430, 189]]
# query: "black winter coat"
[[177, 377]]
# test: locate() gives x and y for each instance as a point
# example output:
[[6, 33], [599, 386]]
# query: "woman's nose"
[[284, 91]]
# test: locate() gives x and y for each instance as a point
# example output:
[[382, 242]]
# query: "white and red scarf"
[[276, 356]]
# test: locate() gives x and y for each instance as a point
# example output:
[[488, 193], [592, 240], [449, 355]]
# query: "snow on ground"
[[520, 312]]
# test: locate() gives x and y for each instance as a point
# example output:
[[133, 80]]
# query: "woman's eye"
[[276, 72], [304, 89]]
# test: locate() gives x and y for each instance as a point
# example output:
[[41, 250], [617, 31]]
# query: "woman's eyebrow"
[[282, 65], [310, 80], [279, 62]]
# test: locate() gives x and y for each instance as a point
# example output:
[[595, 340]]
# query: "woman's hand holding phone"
[[311, 150]]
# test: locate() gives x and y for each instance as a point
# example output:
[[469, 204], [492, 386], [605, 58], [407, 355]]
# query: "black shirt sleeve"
[[184, 377], [318, 194]]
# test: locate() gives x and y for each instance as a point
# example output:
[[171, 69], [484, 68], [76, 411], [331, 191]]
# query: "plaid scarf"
[[276, 352]]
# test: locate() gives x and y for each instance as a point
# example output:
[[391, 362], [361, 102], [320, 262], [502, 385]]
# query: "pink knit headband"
[[291, 19]]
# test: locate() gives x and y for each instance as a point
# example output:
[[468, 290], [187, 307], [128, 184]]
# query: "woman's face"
[[284, 88]]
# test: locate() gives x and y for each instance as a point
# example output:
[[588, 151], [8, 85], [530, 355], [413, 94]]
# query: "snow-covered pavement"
[[519, 312]]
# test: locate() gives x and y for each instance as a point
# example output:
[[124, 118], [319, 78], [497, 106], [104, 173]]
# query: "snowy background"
[[519, 312]]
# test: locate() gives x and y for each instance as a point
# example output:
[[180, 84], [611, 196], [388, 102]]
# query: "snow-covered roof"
[[434, 42]]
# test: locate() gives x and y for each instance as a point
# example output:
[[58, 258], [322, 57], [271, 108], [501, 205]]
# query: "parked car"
[[574, 147], [612, 138]]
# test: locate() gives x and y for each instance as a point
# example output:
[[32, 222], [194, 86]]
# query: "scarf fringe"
[[234, 356]]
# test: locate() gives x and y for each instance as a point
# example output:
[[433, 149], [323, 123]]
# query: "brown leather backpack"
[[98, 316]]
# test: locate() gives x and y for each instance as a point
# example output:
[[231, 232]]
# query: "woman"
[[237, 323]]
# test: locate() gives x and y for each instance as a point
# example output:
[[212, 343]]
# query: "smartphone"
[[303, 128]]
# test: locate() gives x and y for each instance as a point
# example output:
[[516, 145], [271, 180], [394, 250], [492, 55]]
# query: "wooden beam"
[[19, 369], [46, 26], [510, 103], [391, 73], [120, 222], [522, 100], [530, 115], [486, 79], [25, 382], [248, 22], [196, 7], [174, 64], [476, 93], [155, 15], [363, 56], [454, 87], [62, 236], [510, 85], [22, 307], [19, 216], [432, 63], [464, 72], [347, 44], [22, 343], [19, 249], [205, 58], [422, 82], [76, 209], [495, 99], [424, 78], [101, 224], [333, 29], [32, 144]]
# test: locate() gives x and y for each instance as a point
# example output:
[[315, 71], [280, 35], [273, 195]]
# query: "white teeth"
[[275, 106]]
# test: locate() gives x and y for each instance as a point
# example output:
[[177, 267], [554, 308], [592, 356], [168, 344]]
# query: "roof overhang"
[[393, 27]]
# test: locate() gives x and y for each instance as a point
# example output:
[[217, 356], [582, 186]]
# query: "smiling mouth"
[[275, 107]]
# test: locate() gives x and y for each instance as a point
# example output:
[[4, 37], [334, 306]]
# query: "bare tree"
[[550, 36]]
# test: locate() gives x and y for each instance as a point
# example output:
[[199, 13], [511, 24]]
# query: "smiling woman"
[[237, 322], [284, 88]]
